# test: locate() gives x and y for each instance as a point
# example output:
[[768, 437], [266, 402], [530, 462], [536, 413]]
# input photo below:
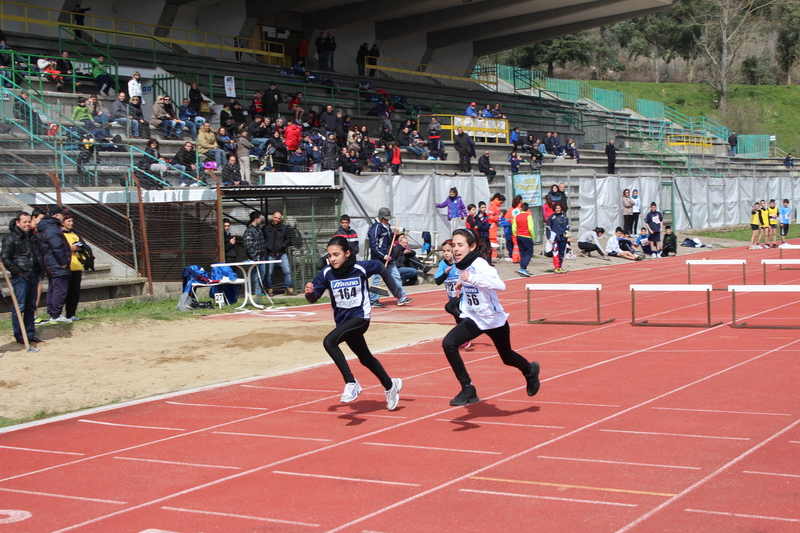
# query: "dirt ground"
[[96, 363]]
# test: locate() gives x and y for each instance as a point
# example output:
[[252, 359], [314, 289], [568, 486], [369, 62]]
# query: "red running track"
[[635, 429]]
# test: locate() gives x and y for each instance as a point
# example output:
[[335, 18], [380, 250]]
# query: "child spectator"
[[755, 224], [788, 162], [294, 105], [653, 223], [785, 218], [614, 250], [571, 149], [522, 229], [396, 159], [456, 212], [670, 244], [643, 241], [316, 159], [772, 217], [348, 233], [515, 161], [589, 242], [376, 163], [483, 222], [472, 223]]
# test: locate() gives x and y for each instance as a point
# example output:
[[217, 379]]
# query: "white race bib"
[[472, 298], [347, 293]]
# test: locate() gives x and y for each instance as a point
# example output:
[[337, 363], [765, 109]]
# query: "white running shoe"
[[61, 320], [351, 392], [393, 394]]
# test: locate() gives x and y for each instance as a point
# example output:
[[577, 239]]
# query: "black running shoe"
[[533, 379], [378, 305], [467, 395]]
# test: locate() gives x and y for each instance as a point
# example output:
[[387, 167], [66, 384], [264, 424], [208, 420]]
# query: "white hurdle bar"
[[672, 288], [743, 262], [733, 289], [779, 262], [787, 246], [566, 287]]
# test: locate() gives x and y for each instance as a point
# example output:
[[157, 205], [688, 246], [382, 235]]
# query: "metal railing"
[[24, 69], [491, 129], [660, 152], [45, 21], [691, 144], [431, 74]]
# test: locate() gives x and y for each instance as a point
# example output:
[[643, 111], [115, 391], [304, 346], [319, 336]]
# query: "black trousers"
[[351, 331], [627, 225], [466, 330], [611, 165], [464, 162], [590, 247], [73, 293]]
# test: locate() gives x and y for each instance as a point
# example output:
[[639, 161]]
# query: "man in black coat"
[[611, 153], [322, 50], [361, 57], [271, 100], [485, 166], [22, 258], [733, 142], [463, 145], [56, 254], [278, 239], [328, 120]]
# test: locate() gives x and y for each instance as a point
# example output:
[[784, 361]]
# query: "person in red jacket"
[[293, 135]]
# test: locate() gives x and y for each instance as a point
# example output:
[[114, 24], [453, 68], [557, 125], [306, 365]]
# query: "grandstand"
[[147, 236]]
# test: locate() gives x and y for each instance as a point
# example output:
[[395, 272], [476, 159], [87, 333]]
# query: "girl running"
[[478, 311], [347, 281]]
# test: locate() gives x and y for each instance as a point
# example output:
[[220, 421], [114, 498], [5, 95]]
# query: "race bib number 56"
[[347, 293], [472, 297]]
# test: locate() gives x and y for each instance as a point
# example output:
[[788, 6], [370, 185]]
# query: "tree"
[[726, 27], [560, 51], [788, 46]]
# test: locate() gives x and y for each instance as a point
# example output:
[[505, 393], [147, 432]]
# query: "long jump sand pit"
[[95, 362]]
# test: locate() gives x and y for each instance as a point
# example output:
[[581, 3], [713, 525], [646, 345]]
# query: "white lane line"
[[350, 414], [497, 423], [246, 517], [177, 463], [618, 462], [738, 515], [429, 448], [269, 436], [560, 403], [219, 406], [716, 411], [347, 478], [770, 473], [712, 475], [127, 425], [493, 493], [673, 434], [40, 451], [794, 442], [284, 388], [34, 493]]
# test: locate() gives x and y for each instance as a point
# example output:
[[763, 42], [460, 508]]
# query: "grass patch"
[[158, 309], [5, 422], [743, 233]]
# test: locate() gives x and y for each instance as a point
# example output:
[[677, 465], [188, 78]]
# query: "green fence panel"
[[608, 98], [650, 108], [565, 89], [753, 145]]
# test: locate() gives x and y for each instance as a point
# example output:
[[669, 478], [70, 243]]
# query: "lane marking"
[[347, 478], [127, 425], [617, 462], [497, 423], [9, 516], [562, 403], [712, 475], [738, 515], [429, 448], [40, 451], [349, 414], [565, 435], [246, 517], [269, 436], [284, 388], [219, 406], [547, 498], [673, 434], [177, 463], [770, 473], [794, 442], [717, 411], [34, 493], [562, 486]]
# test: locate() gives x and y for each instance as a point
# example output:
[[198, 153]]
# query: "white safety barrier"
[[780, 263], [708, 262], [733, 289], [672, 288], [566, 287]]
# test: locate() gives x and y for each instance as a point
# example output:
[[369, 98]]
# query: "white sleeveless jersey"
[[479, 299]]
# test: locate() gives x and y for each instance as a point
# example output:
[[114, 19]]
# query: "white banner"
[[299, 179], [230, 87]]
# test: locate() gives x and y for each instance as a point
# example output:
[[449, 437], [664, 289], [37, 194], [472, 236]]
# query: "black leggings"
[[590, 247], [466, 330], [352, 332], [627, 225]]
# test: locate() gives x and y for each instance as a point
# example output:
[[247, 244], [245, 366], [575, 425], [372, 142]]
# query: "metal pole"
[[598, 305], [594, 180], [708, 306]]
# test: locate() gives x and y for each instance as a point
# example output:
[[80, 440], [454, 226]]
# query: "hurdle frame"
[[690, 262], [569, 287], [779, 262], [673, 288], [759, 288], [787, 246]]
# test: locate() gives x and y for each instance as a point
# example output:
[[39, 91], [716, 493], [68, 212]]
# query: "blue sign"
[[529, 186]]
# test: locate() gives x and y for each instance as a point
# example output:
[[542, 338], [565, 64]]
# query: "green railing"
[[650, 109], [607, 98], [68, 44], [659, 151], [24, 69], [753, 146]]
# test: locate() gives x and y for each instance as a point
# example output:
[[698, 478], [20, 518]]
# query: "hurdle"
[[743, 262], [787, 246], [733, 289], [567, 287], [779, 262], [672, 288]]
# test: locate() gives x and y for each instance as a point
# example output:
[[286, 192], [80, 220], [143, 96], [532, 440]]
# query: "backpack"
[[258, 152], [210, 165], [85, 255]]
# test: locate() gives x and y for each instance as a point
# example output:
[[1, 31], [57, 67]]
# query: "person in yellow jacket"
[[772, 218], [522, 229], [75, 267], [756, 223]]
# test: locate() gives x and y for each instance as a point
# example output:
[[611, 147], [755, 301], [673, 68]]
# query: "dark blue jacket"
[[380, 238], [558, 224], [55, 248]]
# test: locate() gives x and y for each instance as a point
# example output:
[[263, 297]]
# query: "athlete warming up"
[[478, 311], [347, 280]]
